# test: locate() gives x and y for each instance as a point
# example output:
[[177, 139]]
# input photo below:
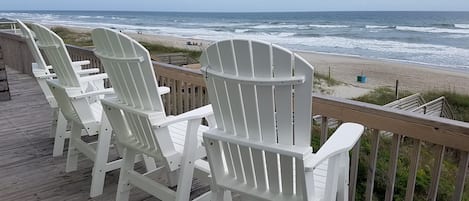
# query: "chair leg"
[[343, 183], [53, 127], [123, 187], [102, 152], [150, 164], [173, 178], [72, 156], [186, 172], [60, 131]]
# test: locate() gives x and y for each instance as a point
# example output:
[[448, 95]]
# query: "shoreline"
[[412, 77]]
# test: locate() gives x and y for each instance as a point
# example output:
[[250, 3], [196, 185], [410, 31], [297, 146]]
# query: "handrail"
[[441, 131]]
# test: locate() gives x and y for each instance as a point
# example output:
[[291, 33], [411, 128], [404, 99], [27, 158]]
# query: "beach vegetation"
[[82, 39], [161, 49], [329, 81], [381, 96]]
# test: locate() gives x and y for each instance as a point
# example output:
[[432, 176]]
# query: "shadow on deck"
[[27, 169]]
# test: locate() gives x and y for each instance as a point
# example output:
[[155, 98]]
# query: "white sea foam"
[[286, 34], [462, 26], [90, 17], [241, 30], [276, 26], [328, 26], [432, 30]]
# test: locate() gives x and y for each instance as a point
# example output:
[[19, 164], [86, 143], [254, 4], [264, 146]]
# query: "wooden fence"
[[441, 135]]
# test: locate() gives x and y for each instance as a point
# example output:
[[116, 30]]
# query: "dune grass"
[[84, 40], [161, 49], [73, 38]]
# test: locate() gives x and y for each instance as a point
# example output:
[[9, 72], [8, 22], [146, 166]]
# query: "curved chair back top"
[[129, 68], [56, 52], [30, 41], [259, 91]]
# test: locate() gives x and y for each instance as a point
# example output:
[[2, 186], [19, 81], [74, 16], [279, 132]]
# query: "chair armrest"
[[88, 71], [81, 63], [94, 93], [343, 140], [46, 76], [163, 90], [89, 78], [198, 113]]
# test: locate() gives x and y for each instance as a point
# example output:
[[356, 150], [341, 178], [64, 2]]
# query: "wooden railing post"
[[414, 161], [370, 178], [393, 159], [461, 176]]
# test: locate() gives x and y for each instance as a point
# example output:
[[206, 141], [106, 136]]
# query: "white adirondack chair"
[[261, 98], [80, 106], [42, 72], [138, 118]]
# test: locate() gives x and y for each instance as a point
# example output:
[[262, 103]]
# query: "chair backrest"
[[30, 41], [40, 66], [261, 98], [138, 102], [56, 52], [129, 68], [79, 111]]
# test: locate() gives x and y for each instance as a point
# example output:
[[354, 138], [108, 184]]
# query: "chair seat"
[[178, 135], [320, 175]]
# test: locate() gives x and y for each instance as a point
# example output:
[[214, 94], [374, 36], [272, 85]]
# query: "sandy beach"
[[379, 73]]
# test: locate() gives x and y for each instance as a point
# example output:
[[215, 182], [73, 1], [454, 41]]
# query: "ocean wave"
[[328, 26], [379, 27], [432, 30], [444, 25], [285, 34], [241, 30], [462, 26], [89, 17], [308, 35], [275, 26]]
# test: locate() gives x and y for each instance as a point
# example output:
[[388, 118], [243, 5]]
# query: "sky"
[[238, 5]]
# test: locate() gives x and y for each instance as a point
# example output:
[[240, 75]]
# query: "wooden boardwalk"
[[27, 169]]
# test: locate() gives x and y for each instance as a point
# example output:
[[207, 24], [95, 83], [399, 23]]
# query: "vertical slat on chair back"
[[271, 113], [129, 68], [56, 52], [30, 41]]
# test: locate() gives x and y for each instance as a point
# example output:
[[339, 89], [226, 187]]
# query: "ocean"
[[435, 38]]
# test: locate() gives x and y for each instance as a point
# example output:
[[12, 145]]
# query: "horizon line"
[[260, 11]]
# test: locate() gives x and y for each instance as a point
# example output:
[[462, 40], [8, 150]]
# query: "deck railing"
[[412, 131]]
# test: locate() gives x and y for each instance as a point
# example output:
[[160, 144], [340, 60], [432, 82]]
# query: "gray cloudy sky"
[[238, 5]]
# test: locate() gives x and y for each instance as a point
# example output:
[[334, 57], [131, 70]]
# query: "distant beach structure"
[[434, 38]]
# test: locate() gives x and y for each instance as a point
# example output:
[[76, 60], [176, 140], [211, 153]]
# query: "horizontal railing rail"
[[442, 136]]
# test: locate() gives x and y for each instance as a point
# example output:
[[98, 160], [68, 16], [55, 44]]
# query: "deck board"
[[27, 169]]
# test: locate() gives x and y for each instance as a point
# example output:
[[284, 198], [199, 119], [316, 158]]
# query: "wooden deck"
[[27, 169]]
